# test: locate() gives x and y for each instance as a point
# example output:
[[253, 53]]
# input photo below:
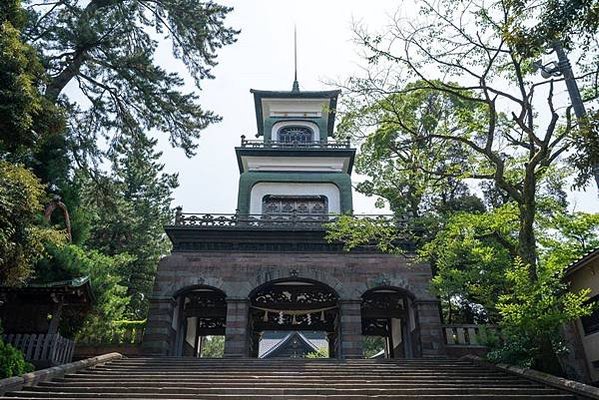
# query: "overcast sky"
[[262, 58]]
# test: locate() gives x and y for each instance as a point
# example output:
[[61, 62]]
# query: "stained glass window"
[[273, 204], [295, 134]]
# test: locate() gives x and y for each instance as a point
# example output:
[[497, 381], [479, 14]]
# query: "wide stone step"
[[192, 378], [285, 384], [89, 380], [315, 365], [289, 362], [293, 390], [293, 362], [288, 367], [68, 396], [328, 375]]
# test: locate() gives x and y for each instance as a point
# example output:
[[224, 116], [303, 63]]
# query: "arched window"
[[295, 134]]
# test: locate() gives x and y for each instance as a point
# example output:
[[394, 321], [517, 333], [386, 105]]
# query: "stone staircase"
[[189, 378]]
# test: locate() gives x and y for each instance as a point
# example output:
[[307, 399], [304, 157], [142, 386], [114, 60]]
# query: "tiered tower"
[[268, 266], [295, 167]]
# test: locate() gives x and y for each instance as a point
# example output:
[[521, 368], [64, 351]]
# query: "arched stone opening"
[[302, 307], [199, 319], [389, 322]]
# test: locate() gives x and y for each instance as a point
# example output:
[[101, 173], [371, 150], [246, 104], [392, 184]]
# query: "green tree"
[[513, 138], [372, 345], [471, 254], [106, 49], [213, 347], [406, 164], [513, 146], [533, 312], [23, 233], [477, 271], [417, 174], [26, 116], [534, 26], [110, 297], [128, 211]]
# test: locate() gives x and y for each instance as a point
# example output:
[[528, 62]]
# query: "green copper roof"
[[74, 283], [79, 290], [295, 94]]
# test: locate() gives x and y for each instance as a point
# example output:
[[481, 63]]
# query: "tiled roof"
[[582, 260], [271, 340]]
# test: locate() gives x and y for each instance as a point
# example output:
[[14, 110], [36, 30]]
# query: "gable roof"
[[76, 291], [270, 345]]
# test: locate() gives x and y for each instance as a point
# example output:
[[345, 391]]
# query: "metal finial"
[[295, 87]]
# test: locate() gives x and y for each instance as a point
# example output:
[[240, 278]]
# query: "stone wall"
[[237, 274]]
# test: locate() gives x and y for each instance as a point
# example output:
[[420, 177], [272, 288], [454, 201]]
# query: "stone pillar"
[[159, 334], [429, 324], [236, 331], [351, 328], [573, 361]]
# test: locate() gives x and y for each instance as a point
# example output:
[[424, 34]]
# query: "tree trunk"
[[57, 84], [527, 243]]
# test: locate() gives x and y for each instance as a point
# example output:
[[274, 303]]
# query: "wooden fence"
[[48, 348]]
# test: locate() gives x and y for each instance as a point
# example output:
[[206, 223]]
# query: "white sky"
[[262, 58]]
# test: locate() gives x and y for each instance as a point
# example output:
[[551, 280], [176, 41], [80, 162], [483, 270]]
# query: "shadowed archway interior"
[[387, 313], [202, 312], [293, 305]]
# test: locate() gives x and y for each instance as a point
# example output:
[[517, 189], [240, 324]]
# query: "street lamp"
[[563, 68]]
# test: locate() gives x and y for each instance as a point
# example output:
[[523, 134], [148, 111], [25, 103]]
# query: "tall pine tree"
[[129, 209]]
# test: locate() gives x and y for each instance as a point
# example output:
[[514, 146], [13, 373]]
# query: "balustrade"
[[294, 220], [469, 335], [277, 144]]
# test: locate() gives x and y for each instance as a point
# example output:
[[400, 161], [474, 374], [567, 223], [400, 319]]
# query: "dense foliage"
[[23, 232], [321, 352], [83, 103], [26, 117], [106, 48], [213, 347], [472, 151], [12, 361]]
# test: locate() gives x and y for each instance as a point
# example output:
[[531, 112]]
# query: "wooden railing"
[[469, 335], [50, 348]]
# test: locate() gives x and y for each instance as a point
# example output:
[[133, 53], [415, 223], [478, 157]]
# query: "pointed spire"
[[295, 87]]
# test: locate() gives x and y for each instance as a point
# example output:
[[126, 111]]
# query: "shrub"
[[322, 352], [12, 362]]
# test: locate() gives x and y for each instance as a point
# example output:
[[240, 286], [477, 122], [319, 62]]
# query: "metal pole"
[[566, 69]]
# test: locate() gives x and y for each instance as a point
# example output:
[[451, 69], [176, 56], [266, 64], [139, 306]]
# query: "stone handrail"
[[470, 335], [32, 378], [50, 347], [583, 391]]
